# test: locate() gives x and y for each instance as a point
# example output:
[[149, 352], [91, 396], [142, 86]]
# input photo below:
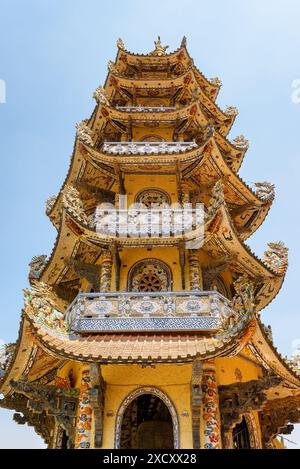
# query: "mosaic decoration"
[[150, 324], [150, 197], [149, 275], [133, 395], [85, 412], [148, 311], [210, 400]]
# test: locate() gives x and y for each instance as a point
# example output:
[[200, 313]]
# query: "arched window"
[[149, 275], [240, 435], [150, 197]]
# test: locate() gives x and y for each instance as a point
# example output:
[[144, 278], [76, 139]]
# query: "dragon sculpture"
[[84, 133], [276, 257]]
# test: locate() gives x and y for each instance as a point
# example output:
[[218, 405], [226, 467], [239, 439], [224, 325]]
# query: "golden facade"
[[143, 341]]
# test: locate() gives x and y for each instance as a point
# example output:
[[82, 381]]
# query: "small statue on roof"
[[120, 44], [183, 42], [100, 95], [159, 48]]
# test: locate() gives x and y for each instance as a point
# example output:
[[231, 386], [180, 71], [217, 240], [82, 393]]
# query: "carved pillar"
[[185, 193], [85, 411], [210, 407], [196, 402], [194, 271], [106, 270], [97, 401]]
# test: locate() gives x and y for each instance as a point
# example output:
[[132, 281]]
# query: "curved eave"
[[65, 247], [76, 167], [216, 158], [22, 359], [141, 348], [185, 157], [106, 241], [246, 261], [180, 55], [106, 112], [188, 78], [265, 351]]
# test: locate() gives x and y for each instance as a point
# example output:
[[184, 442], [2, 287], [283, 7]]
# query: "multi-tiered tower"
[[153, 340]]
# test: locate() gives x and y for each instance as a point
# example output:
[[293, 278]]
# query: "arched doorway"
[[147, 420]]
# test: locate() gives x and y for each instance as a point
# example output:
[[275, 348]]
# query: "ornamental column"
[[106, 272], [85, 411], [210, 407], [194, 272]]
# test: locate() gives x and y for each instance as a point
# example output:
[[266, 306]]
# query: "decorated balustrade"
[[147, 148], [145, 108], [205, 311]]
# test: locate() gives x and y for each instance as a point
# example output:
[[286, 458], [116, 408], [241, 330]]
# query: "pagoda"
[[153, 339]]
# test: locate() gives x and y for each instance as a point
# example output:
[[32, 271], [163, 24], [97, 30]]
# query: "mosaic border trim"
[[133, 395], [205, 323]]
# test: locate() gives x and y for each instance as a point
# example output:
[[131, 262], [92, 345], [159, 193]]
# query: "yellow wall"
[[173, 380]]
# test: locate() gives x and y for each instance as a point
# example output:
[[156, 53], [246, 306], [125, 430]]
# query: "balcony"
[[145, 108], [148, 311], [147, 148]]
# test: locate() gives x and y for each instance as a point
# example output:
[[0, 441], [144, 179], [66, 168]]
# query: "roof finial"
[[120, 44], [183, 42], [159, 48]]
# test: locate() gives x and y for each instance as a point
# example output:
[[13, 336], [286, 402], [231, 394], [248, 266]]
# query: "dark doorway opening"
[[240, 435], [147, 424]]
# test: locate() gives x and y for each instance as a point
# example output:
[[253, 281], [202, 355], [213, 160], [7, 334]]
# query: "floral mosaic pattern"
[[85, 412], [212, 438]]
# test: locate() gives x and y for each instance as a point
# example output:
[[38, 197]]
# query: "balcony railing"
[[148, 311], [147, 148], [145, 108]]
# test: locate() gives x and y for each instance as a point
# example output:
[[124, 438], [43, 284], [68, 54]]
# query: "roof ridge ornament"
[[231, 111], [120, 44], [84, 133], [111, 66], [265, 191], [276, 257], [159, 48], [183, 42], [50, 203], [216, 81], [100, 95], [37, 265], [241, 142]]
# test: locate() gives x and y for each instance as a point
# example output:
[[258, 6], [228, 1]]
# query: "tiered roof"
[[205, 162]]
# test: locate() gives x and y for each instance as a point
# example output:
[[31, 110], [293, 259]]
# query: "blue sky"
[[53, 54]]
